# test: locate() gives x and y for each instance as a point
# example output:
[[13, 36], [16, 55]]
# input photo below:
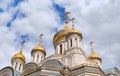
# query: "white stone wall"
[[17, 64], [75, 60], [98, 62], [37, 57]]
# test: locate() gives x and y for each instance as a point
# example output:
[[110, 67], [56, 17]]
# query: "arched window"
[[33, 58], [70, 42], [16, 65], [61, 49], [76, 42], [38, 58], [42, 58], [20, 67]]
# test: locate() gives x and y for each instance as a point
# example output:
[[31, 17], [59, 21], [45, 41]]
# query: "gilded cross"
[[22, 44], [66, 15], [41, 39], [73, 21], [91, 44]]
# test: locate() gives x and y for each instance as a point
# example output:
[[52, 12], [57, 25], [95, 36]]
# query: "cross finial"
[[66, 15], [22, 44], [91, 44], [41, 39], [73, 22]]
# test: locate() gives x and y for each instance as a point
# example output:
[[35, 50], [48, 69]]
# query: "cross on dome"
[[91, 44], [66, 22], [40, 39], [73, 19], [22, 44], [66, 15]]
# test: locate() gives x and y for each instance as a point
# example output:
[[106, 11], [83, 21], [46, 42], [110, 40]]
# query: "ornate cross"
[[66, 15], [41, 39], [91, 44], [22, 44], [73, 21]]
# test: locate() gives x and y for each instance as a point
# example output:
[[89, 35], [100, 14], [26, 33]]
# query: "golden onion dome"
[[19, 56], [94, 56], [61, 34], [38, 48], [74, 31]]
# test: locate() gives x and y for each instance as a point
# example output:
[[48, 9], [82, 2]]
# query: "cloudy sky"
[[98, 20]]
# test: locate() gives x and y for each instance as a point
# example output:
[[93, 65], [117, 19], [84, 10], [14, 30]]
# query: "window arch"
[[37, 58], [33, 58], [70, 42], [20, 66], [60, 48], [76, 43], [16, 65]]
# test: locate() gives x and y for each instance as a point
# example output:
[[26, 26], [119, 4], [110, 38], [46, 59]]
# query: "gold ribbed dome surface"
[[38, 48], [74, 30], [19, 56], [94, 56], [61, 34]]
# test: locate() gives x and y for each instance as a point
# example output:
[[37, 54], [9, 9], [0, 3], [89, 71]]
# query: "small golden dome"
[[74, 31], [19, 56], [39, 48], [94, 56]]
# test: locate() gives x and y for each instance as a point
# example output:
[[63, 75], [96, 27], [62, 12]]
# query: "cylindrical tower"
[[74, 55], [74, 38]]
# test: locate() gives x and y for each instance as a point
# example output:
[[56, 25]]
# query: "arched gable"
[[53, 64], [7, 71], [30, 67]]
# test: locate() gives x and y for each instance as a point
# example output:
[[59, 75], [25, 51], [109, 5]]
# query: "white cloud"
[[4, 4], [40, 18]]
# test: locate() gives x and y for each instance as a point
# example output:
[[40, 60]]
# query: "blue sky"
[[26, 19]]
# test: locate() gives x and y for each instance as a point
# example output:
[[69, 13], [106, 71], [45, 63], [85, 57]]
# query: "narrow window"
[[16, 65], [33, 58], [76, 41], [61, 49], [38, 58], [71, 42], [42, 58], [19, 66]]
